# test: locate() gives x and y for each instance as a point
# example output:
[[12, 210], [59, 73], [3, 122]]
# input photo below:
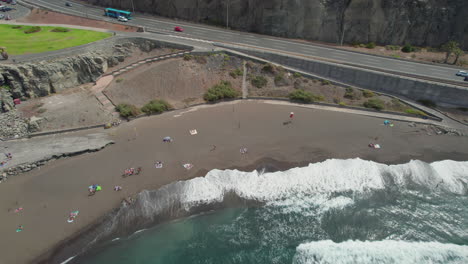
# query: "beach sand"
[[50, 193]]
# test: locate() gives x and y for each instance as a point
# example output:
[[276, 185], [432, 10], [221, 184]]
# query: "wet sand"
[[50, 193]]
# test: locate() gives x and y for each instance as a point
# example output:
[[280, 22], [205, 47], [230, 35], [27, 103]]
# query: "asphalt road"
[[206, 33]]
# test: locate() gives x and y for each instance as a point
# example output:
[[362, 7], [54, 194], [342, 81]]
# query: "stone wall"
[[419, 22], [410, 88]]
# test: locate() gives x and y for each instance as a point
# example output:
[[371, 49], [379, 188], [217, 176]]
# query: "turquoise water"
[[336, 212], [271, 234]]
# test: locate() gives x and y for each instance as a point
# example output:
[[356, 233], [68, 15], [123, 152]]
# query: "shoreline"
[[315, 135]]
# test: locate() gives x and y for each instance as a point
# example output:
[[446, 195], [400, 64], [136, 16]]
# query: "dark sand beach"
[[50, 193]]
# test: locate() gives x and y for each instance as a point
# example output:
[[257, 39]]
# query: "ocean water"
[[336, 211]]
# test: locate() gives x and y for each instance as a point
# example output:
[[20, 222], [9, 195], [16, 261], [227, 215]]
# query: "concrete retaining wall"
[[410, 88]]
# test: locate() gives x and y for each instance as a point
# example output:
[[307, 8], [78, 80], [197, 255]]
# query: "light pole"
[[133, 7], [227, 14]]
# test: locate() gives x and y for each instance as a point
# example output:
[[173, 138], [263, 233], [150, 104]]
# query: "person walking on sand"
[[291, 115]]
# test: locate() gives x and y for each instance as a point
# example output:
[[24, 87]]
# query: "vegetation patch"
[[304, 96], [368, 94], [188, 57], [119, 80], [427, 102], [31, 30], [60, 29], [18, 43], [370, 45], [325, 82], [269, 68], [415, 112], [259, 81], [350, 94], [6, 87], [201, 59], [220, 91], [236, 73], [392, 47], [156, 106], [375, 104], [127, 110], [408, 48], [297, 75]]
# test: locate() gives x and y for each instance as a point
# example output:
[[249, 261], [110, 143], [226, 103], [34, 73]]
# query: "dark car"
[[68, 4], [466, 79], [5, 9]]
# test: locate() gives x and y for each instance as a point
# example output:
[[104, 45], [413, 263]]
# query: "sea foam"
[[375, 252], [330, 176]]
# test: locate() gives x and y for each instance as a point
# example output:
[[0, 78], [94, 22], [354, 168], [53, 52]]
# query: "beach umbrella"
[[167, 139]]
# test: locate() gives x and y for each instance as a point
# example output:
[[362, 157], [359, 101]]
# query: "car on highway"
[[178, 29], [466, 79], [462, 73], [5, 9], [122, 19], [2, 16], [68, 4]]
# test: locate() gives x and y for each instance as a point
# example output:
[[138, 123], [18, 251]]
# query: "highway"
[[205, 33]]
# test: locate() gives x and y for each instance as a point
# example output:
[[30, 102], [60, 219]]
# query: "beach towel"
[[193, 132], [243, 150], [188, 166], [72, 216], [19, 229], [17, 210], [98, 188], [377, 146]]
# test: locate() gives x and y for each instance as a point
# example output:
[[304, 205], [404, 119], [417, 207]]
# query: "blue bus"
[[111, 12]]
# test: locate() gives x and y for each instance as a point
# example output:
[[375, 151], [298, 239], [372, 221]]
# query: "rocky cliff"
[[419, 22], [41, 78]]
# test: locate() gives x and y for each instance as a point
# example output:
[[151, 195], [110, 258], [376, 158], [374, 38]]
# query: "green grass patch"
[[156, 106], [222, 90], [415, 112], [18, 42]]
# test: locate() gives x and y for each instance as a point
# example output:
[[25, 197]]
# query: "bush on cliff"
[[259, 81], [370, 45], [156, 106], [222, 90], [304, 96], [374, 103], [127, 110], [407, 48]]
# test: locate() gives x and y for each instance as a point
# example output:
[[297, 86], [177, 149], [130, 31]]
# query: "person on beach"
[[117, 188], [213, 148], [291, 115]]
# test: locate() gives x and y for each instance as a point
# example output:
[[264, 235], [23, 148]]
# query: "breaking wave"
[[319, 185], [375, 252]]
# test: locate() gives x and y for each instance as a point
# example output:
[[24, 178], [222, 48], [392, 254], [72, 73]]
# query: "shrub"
[[236, 73], [269, 68], [226, 57], [368, 94], [427, 102], [156, 106], [374, 103], [297, 75], [6, 87], [187, 57], [220, 91], [362, 45], [392, 47], [32, 30], [16, 27], [60, 29], [415, 112], [259, 81], [342, 103], [407, 48], [325, 82], [118, 80], [370, 45], [200, 59], [278, 78], [127, 110], [464, 109], [304, 96], [350, 93]]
